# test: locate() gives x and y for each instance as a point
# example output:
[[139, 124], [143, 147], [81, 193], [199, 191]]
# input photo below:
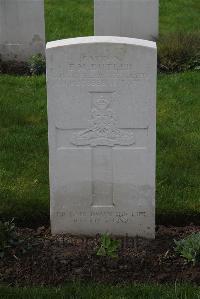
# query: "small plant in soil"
[[189, 248], [109, 247], [8, 237], [37, 64], [10, 241]]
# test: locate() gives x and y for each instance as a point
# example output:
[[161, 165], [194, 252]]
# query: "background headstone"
[[131, 18], [102, 135], [22, 29]]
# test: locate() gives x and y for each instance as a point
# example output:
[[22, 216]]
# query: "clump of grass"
[[179, 52], [8, 237], [10, 242], [37, 64], [189, 248]]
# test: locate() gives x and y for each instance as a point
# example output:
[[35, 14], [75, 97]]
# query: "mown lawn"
[[24, 187], [72, 18], [95, 291], [23, 149], [68, 18], [178, 143]]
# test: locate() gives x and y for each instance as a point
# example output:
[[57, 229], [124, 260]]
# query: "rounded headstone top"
[[101, 39]]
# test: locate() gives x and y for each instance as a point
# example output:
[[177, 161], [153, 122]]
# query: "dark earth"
[[54, 260], [14, 68]]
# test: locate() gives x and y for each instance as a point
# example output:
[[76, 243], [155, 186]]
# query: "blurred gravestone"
[[132, 18], [22, 29], [102, 135]]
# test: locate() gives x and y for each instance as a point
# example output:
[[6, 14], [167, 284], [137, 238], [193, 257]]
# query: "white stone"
[[22, 29], [102, 135], [131, 18]]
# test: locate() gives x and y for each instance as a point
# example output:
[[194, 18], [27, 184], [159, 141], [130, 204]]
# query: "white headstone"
[[22, 29], [132, 18], [102, 135]]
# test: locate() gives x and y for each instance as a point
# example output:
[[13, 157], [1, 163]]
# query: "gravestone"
[[131, 18], [102, 135], [22, 29]]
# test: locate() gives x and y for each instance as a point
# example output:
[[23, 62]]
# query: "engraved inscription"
[[117, 217], [103, 130], [101, 82]]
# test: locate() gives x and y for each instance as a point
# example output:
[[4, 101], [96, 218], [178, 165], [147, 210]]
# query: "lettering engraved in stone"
[[118, 217], [121, 218], [103, 130]]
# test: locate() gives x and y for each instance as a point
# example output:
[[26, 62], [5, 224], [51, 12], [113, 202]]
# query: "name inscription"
[[97, 67]]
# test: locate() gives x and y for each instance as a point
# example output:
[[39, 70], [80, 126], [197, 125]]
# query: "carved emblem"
[[103, 129]]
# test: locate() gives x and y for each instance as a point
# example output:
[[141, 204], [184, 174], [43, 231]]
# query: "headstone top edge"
[[101, 39]]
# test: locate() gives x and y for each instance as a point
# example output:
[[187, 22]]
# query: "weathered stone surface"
[[132, 18], [102, 135], [22, 29]]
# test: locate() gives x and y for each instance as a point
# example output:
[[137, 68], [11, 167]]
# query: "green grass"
[[24, 187], [72, 18], [179, 15], [23, 149], [96, 291], [178, 143], [68, 18]]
